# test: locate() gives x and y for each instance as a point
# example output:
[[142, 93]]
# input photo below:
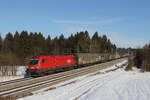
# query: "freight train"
[[45, 65]]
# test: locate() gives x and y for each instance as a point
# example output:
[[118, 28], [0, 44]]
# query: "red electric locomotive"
[[41, 65], [44, 65]]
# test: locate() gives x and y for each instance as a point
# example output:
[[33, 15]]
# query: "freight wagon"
[[44, 65]]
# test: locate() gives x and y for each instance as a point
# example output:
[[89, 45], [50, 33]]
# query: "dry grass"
[[130, 65]]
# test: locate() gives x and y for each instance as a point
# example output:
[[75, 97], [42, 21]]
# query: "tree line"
[[142, 58], [16, 47]]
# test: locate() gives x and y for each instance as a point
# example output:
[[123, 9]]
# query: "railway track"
[[25, 87], [14, 81]]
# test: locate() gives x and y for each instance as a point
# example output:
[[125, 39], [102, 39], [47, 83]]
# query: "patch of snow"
[[123, 62], [19, 74], [113, 85], [21, 70]]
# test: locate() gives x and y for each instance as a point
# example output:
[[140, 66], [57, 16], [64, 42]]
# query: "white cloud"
[[119, 39], [85, 22], [126, 41]]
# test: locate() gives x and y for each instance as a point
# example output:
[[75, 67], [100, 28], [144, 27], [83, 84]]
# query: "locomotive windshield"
[[34, 61]]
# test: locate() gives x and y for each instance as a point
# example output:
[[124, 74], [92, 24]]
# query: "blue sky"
[[125, 22]]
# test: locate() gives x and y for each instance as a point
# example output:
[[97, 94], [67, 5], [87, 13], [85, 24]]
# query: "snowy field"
[[20, 74], [113, 85], [102, 85]]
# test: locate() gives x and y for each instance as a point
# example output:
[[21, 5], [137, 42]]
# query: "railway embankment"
[[26, 87]]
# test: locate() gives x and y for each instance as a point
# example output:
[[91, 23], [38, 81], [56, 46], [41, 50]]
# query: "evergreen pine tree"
[[55, 46], [16, 46], [95, 43], [1, 44], [104, 44], [49, 47], [24, 44], [83, 42], [61, 44], [70, 45], [8, 43]]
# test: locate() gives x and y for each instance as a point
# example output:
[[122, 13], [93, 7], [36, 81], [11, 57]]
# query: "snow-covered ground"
[[102, 85], [21, 70], [20, 74]]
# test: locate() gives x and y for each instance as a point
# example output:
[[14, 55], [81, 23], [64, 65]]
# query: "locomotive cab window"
[[34, 61], [43, 60]]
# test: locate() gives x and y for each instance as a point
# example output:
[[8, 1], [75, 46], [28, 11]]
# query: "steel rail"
[[13, 81]]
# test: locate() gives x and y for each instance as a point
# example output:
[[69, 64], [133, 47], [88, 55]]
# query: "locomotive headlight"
[[34, 67], [37, 67], [68, 61], [31, 67]]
